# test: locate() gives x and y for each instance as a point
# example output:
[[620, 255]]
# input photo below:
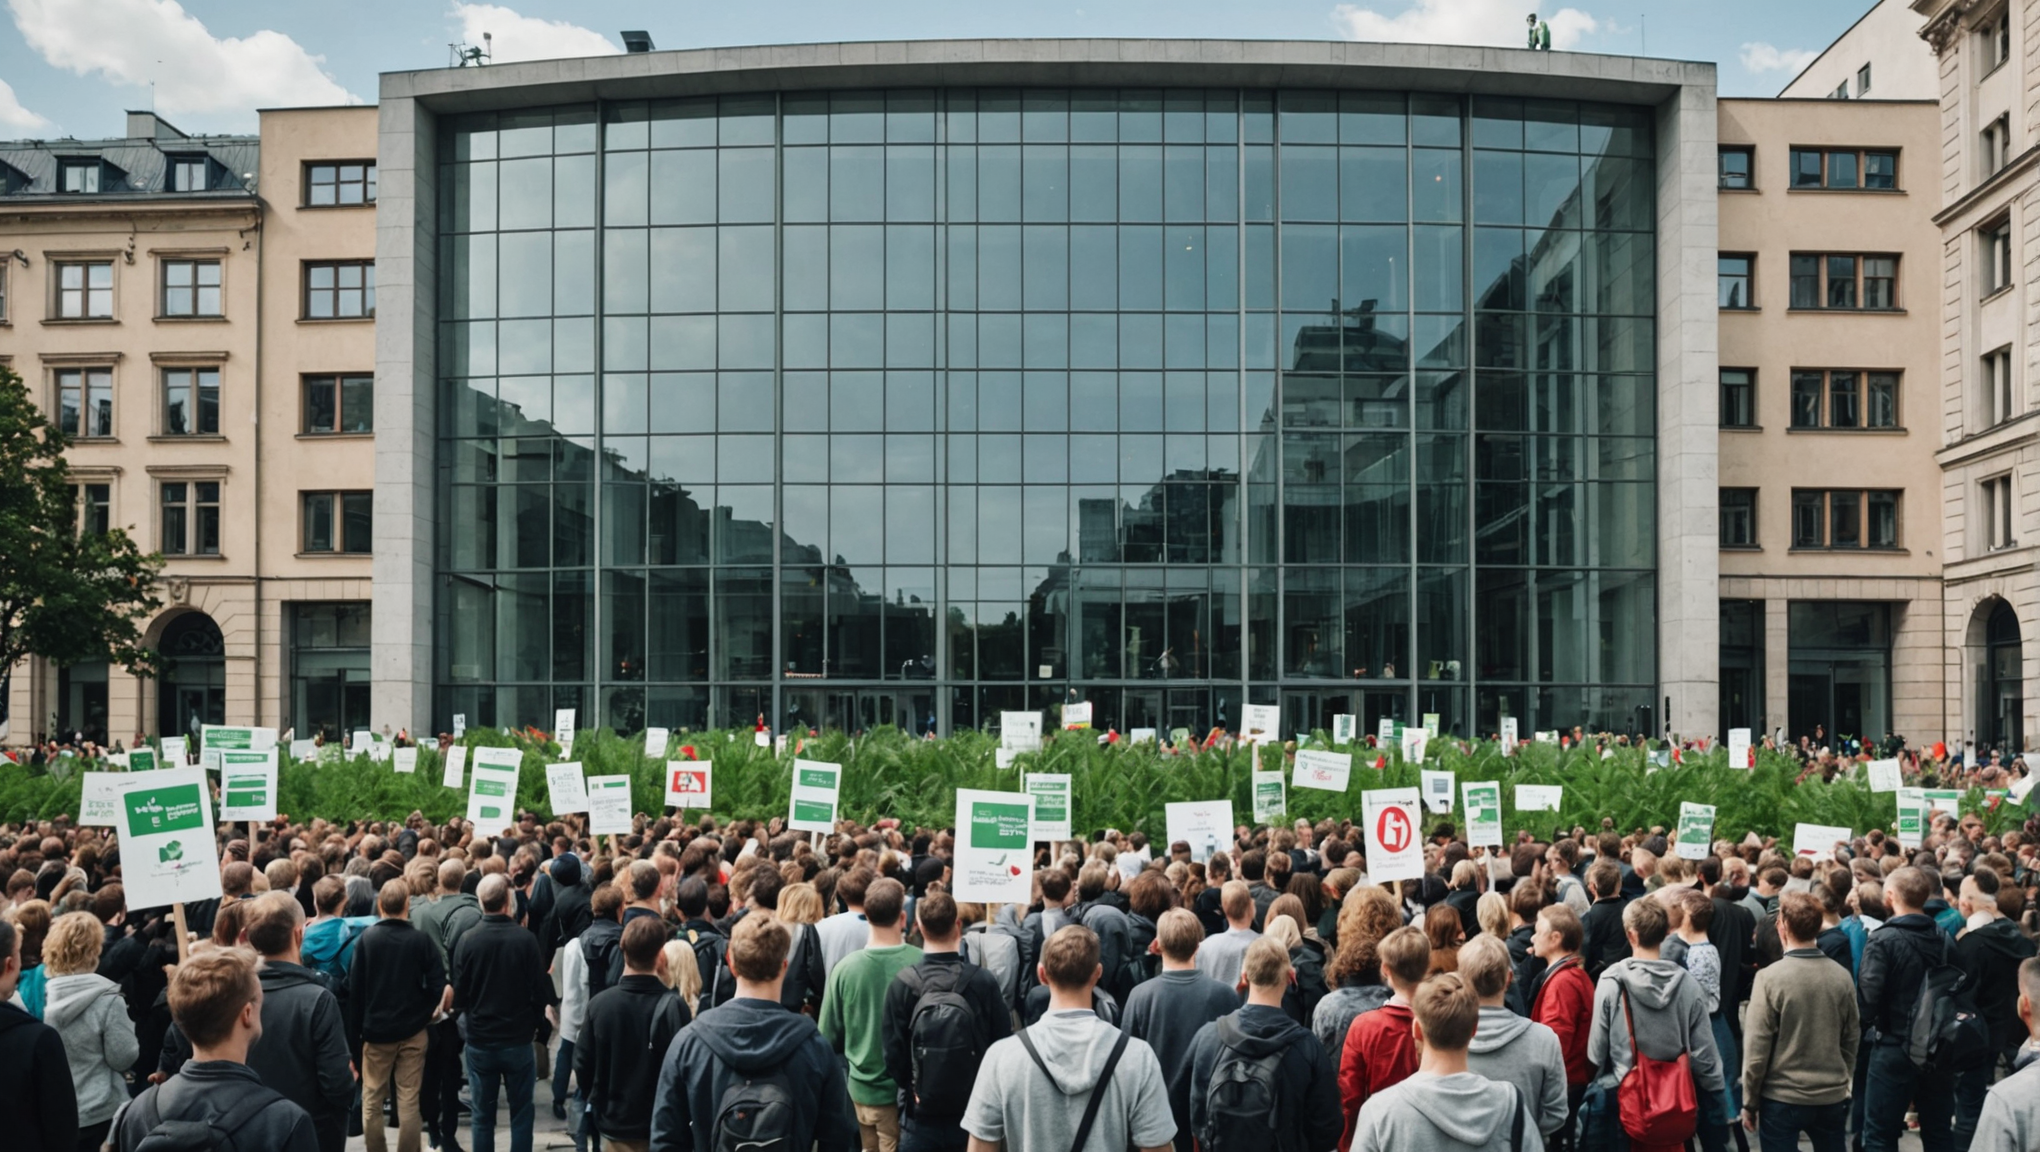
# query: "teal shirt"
[[853, 1017]]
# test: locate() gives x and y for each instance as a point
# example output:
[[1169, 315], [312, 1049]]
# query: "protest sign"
[[1414, 743], [1345, 726], [1141, 735], [453, 773], [1431, 723], [1508, 735], [459, 725], [1884, 776], [99, 803], [994, 846], [563, 731], [166, 850], [1384, 731], [565, 790], [812, 807], [1696, 830], [247, 785], [1330, 771], [1205, 825], [1738, 748], [1076, 715], [656, 740], [1270, 799], [1483, 800], [405, 761], [304, 750], [1260, 723], [1912, 817], [1019, 732], [359, 744], [1818, 839], [142, 760], [609, 805], [1437, 790], [176, 751], [1394, 849], [690, 784], [1947, 800], [1539, 797], [1051, 792], [214, 738], [492, 788]]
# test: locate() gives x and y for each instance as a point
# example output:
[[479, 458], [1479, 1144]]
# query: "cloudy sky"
[[69, 67]]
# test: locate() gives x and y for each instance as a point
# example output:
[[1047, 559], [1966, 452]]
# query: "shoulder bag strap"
[[256, 1100], [1635, 1053], [1516, 1125], [1027, 1042], [1097, 1095]]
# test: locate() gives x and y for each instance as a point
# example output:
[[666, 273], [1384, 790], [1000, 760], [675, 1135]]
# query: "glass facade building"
[[911, 405]]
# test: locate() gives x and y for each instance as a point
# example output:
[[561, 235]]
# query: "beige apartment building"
[[198, 312]]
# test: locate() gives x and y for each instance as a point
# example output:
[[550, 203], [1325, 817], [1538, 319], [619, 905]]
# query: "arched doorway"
[[192, 689], [2001, 699]]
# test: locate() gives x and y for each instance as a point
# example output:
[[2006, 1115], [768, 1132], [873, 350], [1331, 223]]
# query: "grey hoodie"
[[1508, 1048], [1432, 1113], [99, 1040], [1012, 1101], [1671, 1017]]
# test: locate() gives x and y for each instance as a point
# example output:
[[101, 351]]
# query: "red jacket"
[[1565, 1004], [1380, 1052]]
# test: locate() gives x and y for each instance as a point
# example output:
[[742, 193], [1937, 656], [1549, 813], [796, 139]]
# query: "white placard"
[[994, 846], [1550, 737], [1696, 830], [1345, 726], [1004, 758], [1738, 748], [1431, 723], [359, 744], [380, 748], [1539, 797], [609, 805], [1818, 839], [1395, 849], [1884, 775], [1330, 771], [459, 725], [1384, 731], [1271, 799], [453, 772], [1509, 735], [166, 845], [492, 788], [690, 784], [304, 750], [1076, 715], [565, 789], [1437, 790], [762, 737], [176, 751], [99, 803], [247, 785], [2021, 788], [563, 731], [1141, 736], [812, 806], [1019, 732], [656, 740], [1415, 741], [405, 760], [1052, 802], [1205, 825], [1260, 723], [1483, 801]]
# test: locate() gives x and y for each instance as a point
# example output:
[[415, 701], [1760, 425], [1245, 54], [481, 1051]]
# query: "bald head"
[[451, 875], [494, 893]]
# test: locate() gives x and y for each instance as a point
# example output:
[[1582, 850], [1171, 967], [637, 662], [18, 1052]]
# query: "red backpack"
[[1659, 1107]]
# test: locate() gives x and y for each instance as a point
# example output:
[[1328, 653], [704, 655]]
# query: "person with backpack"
[[1169, 1010], [1379, 1051], [601, 943], [302, 1052], [853, 1013], [215, 1101], [1896, 961], [994, 947], [395, 987], [1070, 1081], [1258, 1079], [2010, 1118], [500, 984], [624, 1035], [330, 936], [37, 1096], [579, 981], [1112, 927], [805, 976], [1655, 1047], [444, 918], [1801, 1035], [1442, 1106], [941, 1016], [748, 1074], [1511, 1049], [710, 946], [1990, 950], [1221, 955]]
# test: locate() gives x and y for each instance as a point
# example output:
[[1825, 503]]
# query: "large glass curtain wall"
[[929, 404]]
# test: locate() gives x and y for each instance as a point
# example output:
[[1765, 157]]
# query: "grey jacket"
[[1508, 1048], [2010, 1121], [88, 1013], [1670, 1014], [1431, 1113]]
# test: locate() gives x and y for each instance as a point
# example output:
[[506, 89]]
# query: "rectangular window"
[[1845, 518], [1841, 282], [340, 290], [339, 404], [1880, 400], [3, 293], [1843, 395], [1845, 169], [1995, 146], [1733, 280], [191, 518], [85, 402], [1996, 255], [79, 177], [1738, 517], [1805, 281], [338, 521], [95, 509], [1862, 81], [1844, 283], [191, 288], [1805, 168], [1844, 398], [1995, 494], [1806, 389], [85, 290], [191, 401], [1738, 398], [190, 174], [2000, 395], [1809, 511], [1737, 167], [329, 184], [1997, 40], [1880, 171], [1841, 93]]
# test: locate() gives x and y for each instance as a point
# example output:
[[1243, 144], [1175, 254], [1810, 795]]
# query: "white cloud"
[[515, 36], [15, 118], [1761, 57], [1497, 23], [135, 42]]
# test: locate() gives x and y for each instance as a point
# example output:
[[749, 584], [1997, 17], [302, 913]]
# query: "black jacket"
[[1605, 940], [303, 1050], [394, 983], [1895, 959], [568, 917], [624, 1037], [1528, 967], [500, 983], [1309, 1078], [1992, 955], [746, 1038], [1731, 933], [207, 1089], [38, 1104], [602, 950], [1465, 901], [987, 1003], [805, 976]]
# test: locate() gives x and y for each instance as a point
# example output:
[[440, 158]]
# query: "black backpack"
[[1123, 970], [1243, 1106], [1948, 1034], [201, 1135], [717, 985], [757, 1114], [946, 1039]]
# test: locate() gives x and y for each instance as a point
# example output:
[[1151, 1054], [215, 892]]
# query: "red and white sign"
[[689, 784], [1394, 849]]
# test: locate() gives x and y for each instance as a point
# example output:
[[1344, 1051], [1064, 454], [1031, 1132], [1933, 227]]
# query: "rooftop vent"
[[637, 42]]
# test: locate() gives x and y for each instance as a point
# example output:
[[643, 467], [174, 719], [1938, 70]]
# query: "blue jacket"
[[747, 1037]]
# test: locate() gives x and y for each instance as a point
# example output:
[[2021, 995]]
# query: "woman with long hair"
[[1367, 914]]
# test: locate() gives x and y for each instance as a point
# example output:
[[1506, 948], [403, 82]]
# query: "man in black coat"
[[500, 985], [1990, 950], [1606, 942], [302, 1051], [1895, 962], [37, 1097], [395, 986], [624, 1036]]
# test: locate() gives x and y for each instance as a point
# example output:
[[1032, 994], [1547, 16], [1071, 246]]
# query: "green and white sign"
[[994, 853], [1271, 799], [247, 785], [1483, 801], [1051, 792], [1943, 800], [1696, 830], [142, 760], [166, 827], [609, 805], [216, 738], [1912, 817], [176, 751], [812, 807], [1345, 726], [1431, 724], [492, 788]]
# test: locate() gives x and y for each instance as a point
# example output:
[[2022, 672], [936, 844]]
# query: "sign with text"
[[812, 807], [492, 788], [1696, 830], [690, 784], [459, 725], [304, 750], [1019, 732], [214, 738], [1884, 775], [1509, 735], [405, 760], [1076, 715], [1415, 741], [142, 760], [99, 802], [1270, 798], [247, 785], [453, 772], [166, 848], [1384, 731], [1205, 825], [1260, 723], [1818, 839], [1738, 748], [1437, 790], [1539, 797], [1345, 726], [656, 740], [1052, 795], [565, 788], [176, 751], [994, 849], [563, 731], [1943, 801], [609, 805], [1431, 723], [1395, 850], [1330, 771], [1912, 817], [1483, 800]]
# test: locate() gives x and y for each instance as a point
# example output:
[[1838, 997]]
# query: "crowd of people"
[[721, 986]]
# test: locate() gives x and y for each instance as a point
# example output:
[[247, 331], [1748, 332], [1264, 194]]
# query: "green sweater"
[[853, 1017]]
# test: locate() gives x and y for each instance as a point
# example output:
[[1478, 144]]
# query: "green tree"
[[66, 596]]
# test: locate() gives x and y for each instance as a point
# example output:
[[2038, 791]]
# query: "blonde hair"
[[1448, 1010], [800, 904], [1484, 964], [1492, 910], [683, 974], [1282, 930], [73, 944], [1266, 964]]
